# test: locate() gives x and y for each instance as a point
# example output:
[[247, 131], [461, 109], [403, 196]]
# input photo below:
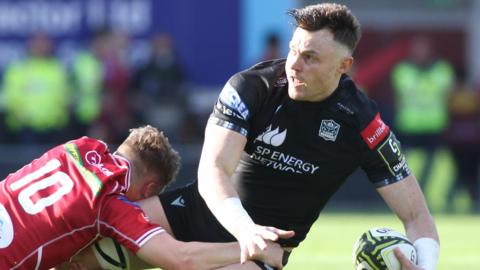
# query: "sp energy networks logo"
[[272, 137], [279, 160]]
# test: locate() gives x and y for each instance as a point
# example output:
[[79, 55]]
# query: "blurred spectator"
[[36, 96], [272, 48], [116, 113], [421, 85], [159, 90], [464, 140], [87, 81]]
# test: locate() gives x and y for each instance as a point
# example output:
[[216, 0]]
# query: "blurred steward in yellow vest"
[[36, 95], [421, 86], [87, 74]]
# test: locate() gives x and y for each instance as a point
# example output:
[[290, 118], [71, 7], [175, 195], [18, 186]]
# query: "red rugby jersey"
[[65, 200]]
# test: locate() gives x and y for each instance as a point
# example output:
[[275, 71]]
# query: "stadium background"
[[214, 39]]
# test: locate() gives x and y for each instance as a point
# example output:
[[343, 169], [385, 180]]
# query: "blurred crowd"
[[435, 111], [428, 101], [98, 93]]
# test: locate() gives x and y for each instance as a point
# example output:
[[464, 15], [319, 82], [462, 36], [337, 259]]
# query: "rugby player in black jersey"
[[283, 137]]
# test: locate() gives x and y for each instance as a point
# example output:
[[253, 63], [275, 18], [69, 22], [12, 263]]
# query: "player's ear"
[[150, 188], [345, 64]]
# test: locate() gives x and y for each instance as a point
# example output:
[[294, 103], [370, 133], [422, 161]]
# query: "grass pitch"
[[330, 242]]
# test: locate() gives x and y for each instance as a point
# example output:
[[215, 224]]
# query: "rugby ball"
[[374, 250]]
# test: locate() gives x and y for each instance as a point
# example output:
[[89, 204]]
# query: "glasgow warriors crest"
[[329, 130]]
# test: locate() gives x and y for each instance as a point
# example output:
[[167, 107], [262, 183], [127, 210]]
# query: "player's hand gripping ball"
[[374, 250]]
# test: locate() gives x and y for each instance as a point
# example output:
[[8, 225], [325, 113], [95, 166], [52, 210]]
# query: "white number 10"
[[66, 185]]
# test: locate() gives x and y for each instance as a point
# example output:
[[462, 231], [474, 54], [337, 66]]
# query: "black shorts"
[[191, 220]]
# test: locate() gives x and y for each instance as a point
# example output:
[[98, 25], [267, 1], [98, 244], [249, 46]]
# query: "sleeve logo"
[[391, 153], [93, 158], [229, 96], [375, 132], [6, 228]]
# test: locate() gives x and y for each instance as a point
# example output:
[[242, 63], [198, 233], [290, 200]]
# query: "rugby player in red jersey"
[[78, 192]]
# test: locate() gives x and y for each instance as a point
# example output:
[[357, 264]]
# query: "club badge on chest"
[[329, 130]]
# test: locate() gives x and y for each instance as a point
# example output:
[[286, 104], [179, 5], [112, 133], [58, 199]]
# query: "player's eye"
[[307, 57], [293, 51]]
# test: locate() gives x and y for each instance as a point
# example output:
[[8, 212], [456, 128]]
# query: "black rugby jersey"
[[299, 153]]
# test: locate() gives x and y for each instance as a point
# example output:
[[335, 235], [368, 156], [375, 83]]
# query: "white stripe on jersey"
[[52, 241], [127, 176], [39, 258], [148, 235], [136, 242]]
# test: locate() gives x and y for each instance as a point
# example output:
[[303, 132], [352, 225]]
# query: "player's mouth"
[[296, 82]]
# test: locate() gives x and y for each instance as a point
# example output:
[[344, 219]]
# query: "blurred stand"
[[421, 85], [464, 142], [87, 76], [159, 92], [116, 114], [109, 96], [272, 48], [36, 96]]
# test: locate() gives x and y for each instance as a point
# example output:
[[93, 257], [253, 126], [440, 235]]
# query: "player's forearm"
[[163, 251], [215, 255], [224, 203], [422, 225], [423, 233], [214, 185], [209, 255], [221, 153]]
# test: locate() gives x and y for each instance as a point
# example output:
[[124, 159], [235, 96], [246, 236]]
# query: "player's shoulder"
[[354, 103], [263, 75], [89, 142], [363, 112], [87, 146]]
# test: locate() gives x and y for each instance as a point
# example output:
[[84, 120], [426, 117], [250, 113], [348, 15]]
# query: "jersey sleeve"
[[125, 222], [237, 103], [383, 161], [94, 156]]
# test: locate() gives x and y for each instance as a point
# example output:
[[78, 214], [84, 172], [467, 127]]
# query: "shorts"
[[191, 220], [189, 217]]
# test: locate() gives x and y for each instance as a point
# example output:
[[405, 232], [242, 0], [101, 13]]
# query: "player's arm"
[[166, 252], [221, 153], [406, 199]]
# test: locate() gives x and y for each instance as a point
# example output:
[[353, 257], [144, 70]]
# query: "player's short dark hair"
[[154, 151], [335, 17]]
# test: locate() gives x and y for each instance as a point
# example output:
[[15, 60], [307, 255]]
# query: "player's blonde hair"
[[153, 152]]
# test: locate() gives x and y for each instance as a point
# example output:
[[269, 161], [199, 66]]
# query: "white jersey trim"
[[52, 241], [138, 242]]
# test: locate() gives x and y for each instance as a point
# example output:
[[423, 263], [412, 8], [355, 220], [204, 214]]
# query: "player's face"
[[314, 65]]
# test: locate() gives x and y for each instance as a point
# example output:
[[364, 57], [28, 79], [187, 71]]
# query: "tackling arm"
[[166, 252]]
